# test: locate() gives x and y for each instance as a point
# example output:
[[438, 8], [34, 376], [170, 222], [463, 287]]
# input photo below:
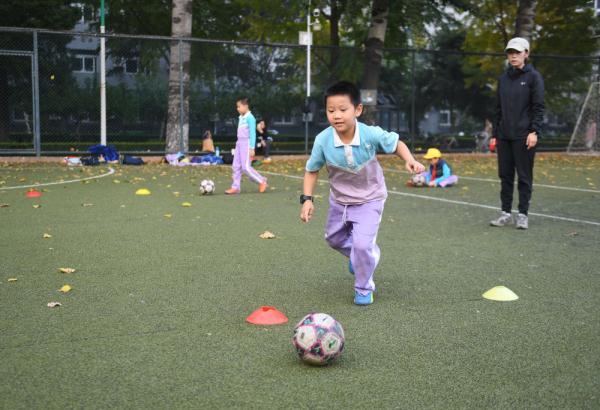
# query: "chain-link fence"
[[50, 94]]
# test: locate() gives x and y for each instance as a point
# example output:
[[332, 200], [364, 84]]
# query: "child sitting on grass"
[[440, 173]]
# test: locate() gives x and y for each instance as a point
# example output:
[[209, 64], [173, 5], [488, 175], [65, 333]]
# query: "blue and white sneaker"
[[350, 267], [363, 300]]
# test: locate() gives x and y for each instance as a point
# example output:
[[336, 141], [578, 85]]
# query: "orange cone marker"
[[33, 194], [266, 315]]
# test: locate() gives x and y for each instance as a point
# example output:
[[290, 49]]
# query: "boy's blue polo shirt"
[[354, 173]]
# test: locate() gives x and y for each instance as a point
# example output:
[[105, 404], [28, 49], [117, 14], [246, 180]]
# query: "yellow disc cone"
[[142, 191], [500, 293], [65, 289]]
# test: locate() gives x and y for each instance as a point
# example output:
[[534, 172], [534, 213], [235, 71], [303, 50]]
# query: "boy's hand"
[[414, 167], [252, 152], [432, 184], [307, 210]]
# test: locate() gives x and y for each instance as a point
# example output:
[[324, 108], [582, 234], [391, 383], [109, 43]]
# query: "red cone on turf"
[[266, 315], [33, 194]]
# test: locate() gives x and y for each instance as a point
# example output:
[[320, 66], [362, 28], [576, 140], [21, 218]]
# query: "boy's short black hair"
[[244, 100], [344, 88]]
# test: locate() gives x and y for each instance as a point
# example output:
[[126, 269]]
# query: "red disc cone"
[[266, 315], [33, 194]]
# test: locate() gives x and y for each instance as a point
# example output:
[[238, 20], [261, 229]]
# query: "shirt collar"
[[337, 141], [245, 115]]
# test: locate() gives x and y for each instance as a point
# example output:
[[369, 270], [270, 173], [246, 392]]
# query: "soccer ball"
[[418, 179], [207, 187], [318, 339]]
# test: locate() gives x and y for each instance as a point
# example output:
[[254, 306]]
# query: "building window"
[[127, 65], [284, 120], [84, 64], [445, 118], [394, 123], [384, 120]]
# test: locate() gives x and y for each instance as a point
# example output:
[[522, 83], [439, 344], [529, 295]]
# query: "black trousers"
[[514, 155]]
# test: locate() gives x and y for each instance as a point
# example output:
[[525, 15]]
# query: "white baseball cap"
[[517, 43]]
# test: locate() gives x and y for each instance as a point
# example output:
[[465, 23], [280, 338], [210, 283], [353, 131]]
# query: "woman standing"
[[518, 122]]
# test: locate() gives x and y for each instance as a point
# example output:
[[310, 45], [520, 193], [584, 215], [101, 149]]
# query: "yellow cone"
[[142, 191], [65, 289], [500, 293]]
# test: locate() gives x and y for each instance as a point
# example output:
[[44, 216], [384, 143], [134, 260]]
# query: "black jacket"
[[520, 106]]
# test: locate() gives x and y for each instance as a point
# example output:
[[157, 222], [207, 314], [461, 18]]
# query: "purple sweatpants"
[[241, 163], [451, 180], [352, 230]]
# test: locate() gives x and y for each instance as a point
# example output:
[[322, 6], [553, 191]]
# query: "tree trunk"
[[525, 17], [337, 9], [374, 54], [178, 121]]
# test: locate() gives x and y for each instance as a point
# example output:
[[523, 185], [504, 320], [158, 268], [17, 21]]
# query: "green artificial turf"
[[156, 317]]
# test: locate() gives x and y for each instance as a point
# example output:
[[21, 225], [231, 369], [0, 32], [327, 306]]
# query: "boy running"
[[348, 149]]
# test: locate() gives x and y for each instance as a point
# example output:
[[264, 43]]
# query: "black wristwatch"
[[304, 198]]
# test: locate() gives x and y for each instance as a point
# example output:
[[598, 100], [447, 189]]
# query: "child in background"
[[348, 149], [207, 142], [264, 140], [244, 149], [440, 173]]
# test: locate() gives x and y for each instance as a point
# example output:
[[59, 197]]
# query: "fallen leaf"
[[65, 289], [54, 304], [66, 270], [12, 279], [87, 204], [36, 206], [573, 234], [168, 215], [267, 235], [186, 204], [116, 181], [4, 205], [46, 236]]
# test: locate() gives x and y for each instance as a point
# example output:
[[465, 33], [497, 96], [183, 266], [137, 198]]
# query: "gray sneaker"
[[503, 219], [522, 221]]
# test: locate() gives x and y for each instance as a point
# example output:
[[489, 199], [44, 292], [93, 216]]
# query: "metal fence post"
[[180, 52], [36, 97], [412, 103]]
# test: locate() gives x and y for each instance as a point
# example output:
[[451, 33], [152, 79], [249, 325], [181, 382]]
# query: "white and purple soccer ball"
[[318, 339], [207, 187], [418, 179]]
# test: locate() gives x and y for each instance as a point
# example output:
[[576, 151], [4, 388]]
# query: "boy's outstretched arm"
[[310, 180], [411, 164]]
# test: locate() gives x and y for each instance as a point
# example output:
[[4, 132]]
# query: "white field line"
[[110, 172], [566, 188], [452, 201]]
